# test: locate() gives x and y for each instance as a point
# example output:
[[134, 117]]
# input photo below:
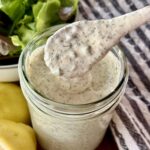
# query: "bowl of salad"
[[20, 21]]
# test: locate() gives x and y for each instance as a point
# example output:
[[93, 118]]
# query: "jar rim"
[[45, 101]]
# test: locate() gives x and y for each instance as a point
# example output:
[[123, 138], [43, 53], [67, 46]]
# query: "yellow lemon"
[[13, 105], [16, 136]]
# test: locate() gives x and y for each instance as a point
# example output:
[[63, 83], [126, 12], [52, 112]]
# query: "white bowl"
[[9, 73]]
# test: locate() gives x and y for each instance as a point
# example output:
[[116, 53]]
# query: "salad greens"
[[46, 21], [21, 19]]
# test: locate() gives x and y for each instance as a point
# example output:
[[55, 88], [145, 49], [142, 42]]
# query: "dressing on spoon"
[[75, 48]]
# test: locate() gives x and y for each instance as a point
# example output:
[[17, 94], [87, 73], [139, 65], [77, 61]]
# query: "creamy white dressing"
[[101, 80]]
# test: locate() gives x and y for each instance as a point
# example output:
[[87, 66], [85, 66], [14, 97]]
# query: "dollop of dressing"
[[72, 50], [75, 48]]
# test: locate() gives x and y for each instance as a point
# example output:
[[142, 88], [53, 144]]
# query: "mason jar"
[[68, 126]]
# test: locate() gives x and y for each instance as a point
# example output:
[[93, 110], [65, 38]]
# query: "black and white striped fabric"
[[131, 122]]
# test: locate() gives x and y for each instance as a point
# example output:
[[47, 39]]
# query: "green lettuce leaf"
[[27, 17], [48, 14], [36, 8], [25, 34], [14, 9], [16, 41]]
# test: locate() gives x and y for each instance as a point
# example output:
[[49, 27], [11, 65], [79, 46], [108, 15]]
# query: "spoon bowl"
[[74, 49]]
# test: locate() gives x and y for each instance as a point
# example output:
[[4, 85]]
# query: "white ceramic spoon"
[[73, 49]]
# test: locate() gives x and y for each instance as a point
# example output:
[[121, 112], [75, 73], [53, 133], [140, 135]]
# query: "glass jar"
[[64, 126]]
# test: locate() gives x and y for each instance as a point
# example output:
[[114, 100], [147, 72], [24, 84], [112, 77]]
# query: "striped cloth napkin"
[[131, 122]]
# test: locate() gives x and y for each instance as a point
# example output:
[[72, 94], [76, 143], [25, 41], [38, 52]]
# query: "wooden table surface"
[[108, 142]]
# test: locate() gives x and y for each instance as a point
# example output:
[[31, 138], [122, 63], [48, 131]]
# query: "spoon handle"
[[133, 20]]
